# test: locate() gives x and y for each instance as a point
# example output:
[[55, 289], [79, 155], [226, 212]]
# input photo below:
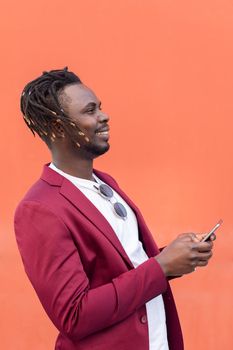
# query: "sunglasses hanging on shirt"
[[106, 192]]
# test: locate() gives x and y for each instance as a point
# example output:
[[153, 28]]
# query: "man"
[[85, 246]]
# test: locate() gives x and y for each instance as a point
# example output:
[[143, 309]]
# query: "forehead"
[[77, 96]]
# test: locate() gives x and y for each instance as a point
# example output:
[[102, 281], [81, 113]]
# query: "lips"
[[103, 132], [105, 128]]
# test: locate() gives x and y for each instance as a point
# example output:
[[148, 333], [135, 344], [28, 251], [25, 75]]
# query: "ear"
[[58, 128]]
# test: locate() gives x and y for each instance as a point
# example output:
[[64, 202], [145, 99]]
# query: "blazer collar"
[[85, 206]]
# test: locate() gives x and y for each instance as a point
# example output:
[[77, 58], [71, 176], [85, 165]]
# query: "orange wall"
[[164, 72]]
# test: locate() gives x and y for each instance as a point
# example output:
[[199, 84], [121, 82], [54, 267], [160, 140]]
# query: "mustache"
[[103, 128]]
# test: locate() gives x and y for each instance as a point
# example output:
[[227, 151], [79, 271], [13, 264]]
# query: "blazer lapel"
[[85, 206], [145, 235]]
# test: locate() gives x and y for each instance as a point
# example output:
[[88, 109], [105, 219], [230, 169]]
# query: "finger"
[[193, 237], [200, 236], [189, 236], [204, 246], [204, 256], [182, 234], [213, 237]]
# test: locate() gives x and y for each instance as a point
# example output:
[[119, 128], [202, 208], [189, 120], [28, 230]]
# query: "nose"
[[103, 117]]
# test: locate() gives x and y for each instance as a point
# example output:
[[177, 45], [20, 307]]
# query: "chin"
[[95, 151], [98, 151]]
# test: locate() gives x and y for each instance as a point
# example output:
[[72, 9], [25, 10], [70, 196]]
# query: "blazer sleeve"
[[53, 265]]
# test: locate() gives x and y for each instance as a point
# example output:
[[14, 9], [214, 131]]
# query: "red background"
[[164, 72]]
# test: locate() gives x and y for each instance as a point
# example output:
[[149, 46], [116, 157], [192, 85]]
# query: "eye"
[[90, 111]]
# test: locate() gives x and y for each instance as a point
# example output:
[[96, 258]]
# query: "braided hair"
[[41, 107]]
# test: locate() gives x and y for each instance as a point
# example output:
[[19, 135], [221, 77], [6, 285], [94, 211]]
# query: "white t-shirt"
[[127, 233]]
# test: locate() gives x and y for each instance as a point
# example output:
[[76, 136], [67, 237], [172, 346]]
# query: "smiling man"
[[85, 246]]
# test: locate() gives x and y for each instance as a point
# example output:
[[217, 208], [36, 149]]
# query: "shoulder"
[[41, 195], [40, 191], [39, 198]]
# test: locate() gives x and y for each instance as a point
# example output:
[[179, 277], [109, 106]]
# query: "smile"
[[100, 133]]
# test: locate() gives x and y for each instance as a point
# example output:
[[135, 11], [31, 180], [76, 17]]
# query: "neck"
[[82, 168]]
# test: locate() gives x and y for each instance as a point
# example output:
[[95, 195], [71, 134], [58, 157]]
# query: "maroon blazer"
[[81, 273]]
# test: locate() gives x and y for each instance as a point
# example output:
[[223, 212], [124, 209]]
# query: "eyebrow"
[[91, 104]]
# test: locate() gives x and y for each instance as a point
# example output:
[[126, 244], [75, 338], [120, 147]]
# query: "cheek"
[[89, 126]]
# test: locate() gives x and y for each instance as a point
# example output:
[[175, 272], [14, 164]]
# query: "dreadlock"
[[41, 107]]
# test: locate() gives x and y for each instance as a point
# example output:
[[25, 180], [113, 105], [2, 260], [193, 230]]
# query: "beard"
[[95, 150], [90, 150]]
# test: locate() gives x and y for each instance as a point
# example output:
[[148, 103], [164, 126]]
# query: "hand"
[[200, 236], [184, 254]]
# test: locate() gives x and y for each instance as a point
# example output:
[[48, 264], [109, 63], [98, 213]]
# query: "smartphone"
[[212, 231]]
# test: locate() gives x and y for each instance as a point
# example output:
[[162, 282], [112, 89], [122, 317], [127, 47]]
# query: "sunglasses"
[[106, 192]]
